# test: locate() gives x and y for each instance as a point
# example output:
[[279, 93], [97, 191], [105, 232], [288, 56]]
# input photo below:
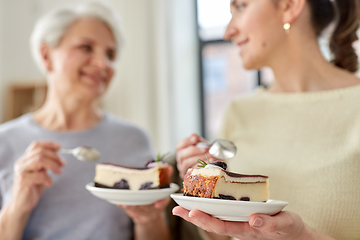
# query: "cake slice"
[[154, 176], [213, 181]]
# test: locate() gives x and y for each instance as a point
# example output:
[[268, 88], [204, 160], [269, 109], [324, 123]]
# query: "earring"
[[287, 27]]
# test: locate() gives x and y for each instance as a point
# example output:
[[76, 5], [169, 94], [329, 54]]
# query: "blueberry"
[[123, 184], [244, 199], [227, 197], [221, 164], [146, 185]]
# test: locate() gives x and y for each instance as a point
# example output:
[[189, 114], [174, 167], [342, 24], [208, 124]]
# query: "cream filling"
[[211, 166], [257, 192], [108, 175]]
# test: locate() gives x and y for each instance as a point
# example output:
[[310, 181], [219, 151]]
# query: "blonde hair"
[[52, 26]]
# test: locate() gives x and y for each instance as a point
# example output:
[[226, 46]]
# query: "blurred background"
[[175, 75]]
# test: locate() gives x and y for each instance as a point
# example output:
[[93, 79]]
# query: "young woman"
[[76, 49], [304, 130]]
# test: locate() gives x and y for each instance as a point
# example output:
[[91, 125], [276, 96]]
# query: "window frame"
[[202, 44]]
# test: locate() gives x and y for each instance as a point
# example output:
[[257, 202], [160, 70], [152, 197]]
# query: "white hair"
[[52, 26]]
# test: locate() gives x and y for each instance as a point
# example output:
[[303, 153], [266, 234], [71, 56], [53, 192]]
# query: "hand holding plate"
[[285, 225]]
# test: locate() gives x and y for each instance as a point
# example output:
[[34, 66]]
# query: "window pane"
[[224, 78], [267, 76], [213, 17]]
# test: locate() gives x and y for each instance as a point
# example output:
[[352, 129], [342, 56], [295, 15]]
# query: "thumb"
[[266, 223], [281, 223], [161, 204]]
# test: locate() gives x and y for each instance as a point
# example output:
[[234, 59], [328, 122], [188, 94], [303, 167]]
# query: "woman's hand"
[[284, 225], [30, 180], [188, 154], [143, 215], [147, 214], [149, 220], [30, 174]]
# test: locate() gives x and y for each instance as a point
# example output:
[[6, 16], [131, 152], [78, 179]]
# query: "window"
[[210, 27], [223, 80], [222, 77]]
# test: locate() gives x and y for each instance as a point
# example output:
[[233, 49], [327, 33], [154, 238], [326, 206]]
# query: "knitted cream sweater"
[[309, 146]]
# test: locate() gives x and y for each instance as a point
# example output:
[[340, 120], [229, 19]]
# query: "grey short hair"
[[52, 26]]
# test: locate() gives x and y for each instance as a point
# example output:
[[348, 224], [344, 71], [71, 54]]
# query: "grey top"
[[67, 210]]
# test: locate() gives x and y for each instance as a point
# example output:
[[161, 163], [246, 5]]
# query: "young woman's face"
[[256, 28], [83, 62]]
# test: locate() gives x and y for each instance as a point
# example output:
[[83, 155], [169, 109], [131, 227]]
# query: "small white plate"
[[128, 197], [229, 210]]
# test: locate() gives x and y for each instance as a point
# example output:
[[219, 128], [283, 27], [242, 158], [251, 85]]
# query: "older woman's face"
[[256, 28], [83, 62]]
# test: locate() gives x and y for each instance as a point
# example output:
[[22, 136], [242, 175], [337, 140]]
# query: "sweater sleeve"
[[6, 165]]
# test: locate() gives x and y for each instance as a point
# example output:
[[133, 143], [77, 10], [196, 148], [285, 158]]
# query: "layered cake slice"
[[154, 176], [213, 181]]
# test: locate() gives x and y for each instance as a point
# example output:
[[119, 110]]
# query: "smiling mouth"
[[241, 43], [95, 79]]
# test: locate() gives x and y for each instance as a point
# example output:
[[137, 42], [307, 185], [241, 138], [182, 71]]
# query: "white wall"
[[185, 69], [140, 91], [19, 17], [16, 64], [164, 94], [1, 54], [156, 82]]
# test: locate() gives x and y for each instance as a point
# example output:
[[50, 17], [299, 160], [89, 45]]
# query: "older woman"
[[303, 132], [76, 49]]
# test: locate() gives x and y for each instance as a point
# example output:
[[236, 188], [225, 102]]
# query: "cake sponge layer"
[[217, 183]]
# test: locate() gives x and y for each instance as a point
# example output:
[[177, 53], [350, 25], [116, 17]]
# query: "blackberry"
[[221, 164], [123, 184], [226, 197], [244, 199], [146, 185]]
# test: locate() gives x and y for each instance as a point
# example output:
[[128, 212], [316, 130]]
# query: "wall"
[[185, 69], [157, 85], [1, 59]]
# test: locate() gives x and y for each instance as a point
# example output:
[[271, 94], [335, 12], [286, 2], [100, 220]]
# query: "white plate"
[[134, 198], [229, 210]]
